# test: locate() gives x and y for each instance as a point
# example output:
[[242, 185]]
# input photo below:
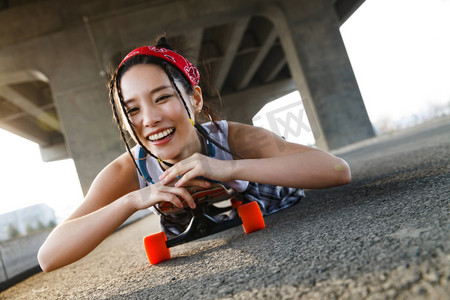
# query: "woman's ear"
[[197, 99]]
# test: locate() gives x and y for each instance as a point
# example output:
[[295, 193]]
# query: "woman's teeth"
[[160, 135]]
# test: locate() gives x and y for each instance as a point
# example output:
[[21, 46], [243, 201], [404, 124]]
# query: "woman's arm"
[[265, 158], [113, 197], [272, 160], [106, 206]]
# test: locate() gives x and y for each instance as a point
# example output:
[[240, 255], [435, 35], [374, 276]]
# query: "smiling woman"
[[156, 99], [55, 184]]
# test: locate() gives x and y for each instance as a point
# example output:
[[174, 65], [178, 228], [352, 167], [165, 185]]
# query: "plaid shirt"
[[271, 198]]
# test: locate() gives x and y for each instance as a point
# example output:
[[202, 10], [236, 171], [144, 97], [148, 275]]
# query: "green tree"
[[51, 224], [13, 232], [39, 225], [29, 229]]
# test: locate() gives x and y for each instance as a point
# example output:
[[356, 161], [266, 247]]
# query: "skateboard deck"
[[213, 194]]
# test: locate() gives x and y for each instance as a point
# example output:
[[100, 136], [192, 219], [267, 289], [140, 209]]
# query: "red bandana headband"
[[175, 59]]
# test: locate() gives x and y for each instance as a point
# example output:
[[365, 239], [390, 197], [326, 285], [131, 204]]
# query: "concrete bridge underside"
[[55, 57]]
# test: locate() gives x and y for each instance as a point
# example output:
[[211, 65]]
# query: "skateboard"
[[203, 222]]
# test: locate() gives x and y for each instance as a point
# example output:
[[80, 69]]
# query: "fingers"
[[195, 182], [183, 194], [156, 193], [186, 171], [171, 193], [173, 199], [171, 174]]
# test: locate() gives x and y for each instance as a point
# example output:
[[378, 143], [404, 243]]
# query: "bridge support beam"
[[322, 72], [74, 54]]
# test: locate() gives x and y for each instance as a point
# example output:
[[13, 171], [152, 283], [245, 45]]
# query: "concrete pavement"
[[384, 236]]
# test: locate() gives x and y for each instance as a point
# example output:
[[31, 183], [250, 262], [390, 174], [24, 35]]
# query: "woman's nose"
[[151, 117]]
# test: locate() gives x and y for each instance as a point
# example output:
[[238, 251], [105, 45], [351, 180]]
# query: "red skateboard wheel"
[[156, 248], [235, 203], [252, 219]]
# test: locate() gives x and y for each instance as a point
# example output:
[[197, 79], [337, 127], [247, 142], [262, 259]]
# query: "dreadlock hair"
[[176, 78]]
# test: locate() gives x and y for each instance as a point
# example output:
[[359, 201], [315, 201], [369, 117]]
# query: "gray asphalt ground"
[[384, 236]]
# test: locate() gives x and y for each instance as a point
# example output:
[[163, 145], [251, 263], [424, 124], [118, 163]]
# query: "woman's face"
[[158, 114]]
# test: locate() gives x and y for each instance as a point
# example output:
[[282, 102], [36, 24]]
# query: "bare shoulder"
[[116, 180], [255, 142]]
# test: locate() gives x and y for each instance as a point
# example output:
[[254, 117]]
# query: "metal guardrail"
[[18, 256]]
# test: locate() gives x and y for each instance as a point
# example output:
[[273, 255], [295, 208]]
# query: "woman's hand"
[[158, 192], [198, 165]]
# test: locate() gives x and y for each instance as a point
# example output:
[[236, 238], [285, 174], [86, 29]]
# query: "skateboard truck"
[[202, 224]]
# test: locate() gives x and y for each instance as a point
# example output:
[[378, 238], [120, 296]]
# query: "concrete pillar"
[[251, 101], [80, 94], [318, 61], [91, 135]]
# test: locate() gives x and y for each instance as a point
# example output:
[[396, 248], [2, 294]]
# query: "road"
[[386, 235]]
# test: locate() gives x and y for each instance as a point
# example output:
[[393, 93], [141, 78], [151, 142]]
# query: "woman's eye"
[[131, 110], [164, 97]]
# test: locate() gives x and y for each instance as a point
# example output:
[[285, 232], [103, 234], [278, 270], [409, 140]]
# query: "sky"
[[399, 50], [26, 180], [399, 54]]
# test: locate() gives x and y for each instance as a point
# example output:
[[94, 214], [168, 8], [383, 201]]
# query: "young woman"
[[156, 99]]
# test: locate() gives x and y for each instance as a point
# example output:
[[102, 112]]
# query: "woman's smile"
[[161, 137]]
